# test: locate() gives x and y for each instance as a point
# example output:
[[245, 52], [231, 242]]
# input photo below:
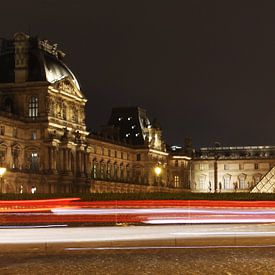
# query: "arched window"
[[8, 105], [115, 170], [121, 174], [128, 172], [33, 107], [108, 170], [34, 162], [64, 112], [102, 170]]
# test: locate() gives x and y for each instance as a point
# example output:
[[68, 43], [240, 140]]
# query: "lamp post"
[[2, 172]]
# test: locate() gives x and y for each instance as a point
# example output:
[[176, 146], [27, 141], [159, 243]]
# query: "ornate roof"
[[42, 60]]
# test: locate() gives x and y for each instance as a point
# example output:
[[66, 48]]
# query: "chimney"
[[21, 57]]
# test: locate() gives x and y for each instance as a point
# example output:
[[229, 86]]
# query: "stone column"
[[53, 158], [65, 160], [47, 158], [61, 155], [69, 161], [50, 152], [9, 158]]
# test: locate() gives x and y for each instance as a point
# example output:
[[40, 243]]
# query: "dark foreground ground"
[[141, 261]]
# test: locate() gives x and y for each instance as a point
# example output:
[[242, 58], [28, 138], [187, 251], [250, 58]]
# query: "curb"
[[57, 247]]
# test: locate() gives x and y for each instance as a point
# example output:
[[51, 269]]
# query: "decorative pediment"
[[67, 86]]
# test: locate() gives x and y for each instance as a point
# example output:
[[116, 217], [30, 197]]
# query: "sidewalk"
[[85, 238]]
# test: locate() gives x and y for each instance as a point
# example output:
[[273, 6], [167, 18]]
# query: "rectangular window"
[[138, 157], [201, 166], [34, 161], [94, 172], [33, 135], [33, 107], [226, 167], [201, 182], [241, 166], [256, 166], [242, 183], [2, 130], [227, 183]]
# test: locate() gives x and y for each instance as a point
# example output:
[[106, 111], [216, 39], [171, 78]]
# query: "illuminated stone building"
[[232, 169], [44, 143], [45, 147]]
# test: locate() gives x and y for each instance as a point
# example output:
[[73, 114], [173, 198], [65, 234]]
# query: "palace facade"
[[45, 146]]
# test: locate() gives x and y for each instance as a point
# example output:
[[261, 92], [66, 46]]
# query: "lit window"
[[226, 180], [33, 135], [33, 107], [242, 183], [94, 171], [202, 181], [34, 161], [129, 118], [120, 118], [133, 126], [137, 134], [127, 135]]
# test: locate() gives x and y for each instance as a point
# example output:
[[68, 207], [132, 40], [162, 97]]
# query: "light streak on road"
[[72, 210]]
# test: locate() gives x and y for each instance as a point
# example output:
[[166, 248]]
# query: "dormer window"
[[129, 118], [127, 135], [33, 107]]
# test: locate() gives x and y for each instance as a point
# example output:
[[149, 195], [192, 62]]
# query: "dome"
[[55, 70], [43, 61]]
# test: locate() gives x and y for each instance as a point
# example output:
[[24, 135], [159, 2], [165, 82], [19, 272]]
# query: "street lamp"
[[157, 171], [2, 172]]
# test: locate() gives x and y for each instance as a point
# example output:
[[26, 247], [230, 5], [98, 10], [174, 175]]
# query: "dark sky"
[[205, 69]]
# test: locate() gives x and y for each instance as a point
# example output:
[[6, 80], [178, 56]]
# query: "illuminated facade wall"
[[230, 169]]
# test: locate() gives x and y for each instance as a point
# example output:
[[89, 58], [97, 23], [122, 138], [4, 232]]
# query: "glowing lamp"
[[2, 171], [157, 170]]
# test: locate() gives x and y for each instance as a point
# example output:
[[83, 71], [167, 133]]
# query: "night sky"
[[204, 69]]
